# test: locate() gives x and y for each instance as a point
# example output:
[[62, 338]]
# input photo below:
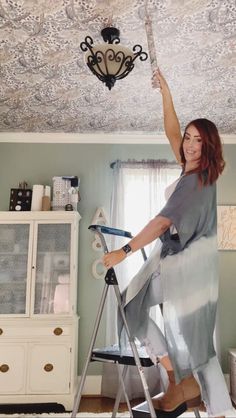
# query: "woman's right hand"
[[159, 82], [113, 258]]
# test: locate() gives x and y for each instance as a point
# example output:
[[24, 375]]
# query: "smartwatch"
[[127, 249]]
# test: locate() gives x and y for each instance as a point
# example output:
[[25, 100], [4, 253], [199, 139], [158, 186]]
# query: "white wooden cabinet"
[[38, 318]]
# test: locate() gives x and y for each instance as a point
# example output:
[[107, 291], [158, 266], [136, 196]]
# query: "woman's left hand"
[[113, 258]]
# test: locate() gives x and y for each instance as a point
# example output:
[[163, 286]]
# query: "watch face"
[[127, 249]]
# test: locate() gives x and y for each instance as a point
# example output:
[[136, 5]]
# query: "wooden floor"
[[102, 404]]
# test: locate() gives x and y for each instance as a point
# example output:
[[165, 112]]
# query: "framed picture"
[[226, 227]]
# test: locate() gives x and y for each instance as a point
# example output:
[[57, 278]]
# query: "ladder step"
[[142, 411], [117, 357]]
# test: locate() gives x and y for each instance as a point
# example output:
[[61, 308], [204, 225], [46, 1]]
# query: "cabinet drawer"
[[35, 331]]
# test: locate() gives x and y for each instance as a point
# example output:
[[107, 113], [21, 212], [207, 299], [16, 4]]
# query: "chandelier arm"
[[109, 53], [128, 63], [125, 73], [116, 40], [117, 59], [87, 44], [143, 56], [95, 59], [102, 77]]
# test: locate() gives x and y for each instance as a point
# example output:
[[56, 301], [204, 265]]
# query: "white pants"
[[151, 335]]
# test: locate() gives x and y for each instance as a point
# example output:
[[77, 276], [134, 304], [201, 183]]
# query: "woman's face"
[[192, 145]]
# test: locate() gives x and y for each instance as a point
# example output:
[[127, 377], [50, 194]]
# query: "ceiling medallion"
[[111, 61]]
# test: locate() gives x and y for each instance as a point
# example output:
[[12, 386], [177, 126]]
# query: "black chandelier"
[[111, 61]]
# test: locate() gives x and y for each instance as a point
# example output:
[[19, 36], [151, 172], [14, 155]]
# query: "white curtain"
[[138, 195]]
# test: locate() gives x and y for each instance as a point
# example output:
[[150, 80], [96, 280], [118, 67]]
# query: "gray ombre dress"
[[182, 274]]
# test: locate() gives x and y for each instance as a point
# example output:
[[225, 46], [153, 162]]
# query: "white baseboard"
[[92, 385]]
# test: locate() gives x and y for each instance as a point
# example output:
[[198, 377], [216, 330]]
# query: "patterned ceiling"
[[47, 87]]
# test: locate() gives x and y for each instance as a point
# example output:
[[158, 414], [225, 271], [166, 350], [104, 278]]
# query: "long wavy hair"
[[211, 162]]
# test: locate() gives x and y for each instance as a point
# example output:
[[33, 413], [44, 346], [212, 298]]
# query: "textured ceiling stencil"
[[47, 87]]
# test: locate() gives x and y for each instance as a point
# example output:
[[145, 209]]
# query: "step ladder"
[[136, 357]]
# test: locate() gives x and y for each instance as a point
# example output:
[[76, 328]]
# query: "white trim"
[[92, 385], [98, 138], [52, 215], [72, 138]]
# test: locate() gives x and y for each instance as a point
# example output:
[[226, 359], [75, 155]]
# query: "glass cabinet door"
[[52, 277], [14, 243]]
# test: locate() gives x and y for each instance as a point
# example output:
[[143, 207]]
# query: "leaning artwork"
[[226, 227]]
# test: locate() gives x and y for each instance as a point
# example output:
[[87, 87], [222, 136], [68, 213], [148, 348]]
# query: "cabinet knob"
[[58, 331], [48, 367], [1, 331], [4, 368]]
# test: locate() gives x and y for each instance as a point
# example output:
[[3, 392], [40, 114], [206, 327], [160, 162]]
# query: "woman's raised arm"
[[171, 122]]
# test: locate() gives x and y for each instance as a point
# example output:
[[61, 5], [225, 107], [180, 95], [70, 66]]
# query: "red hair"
[[212, 162]]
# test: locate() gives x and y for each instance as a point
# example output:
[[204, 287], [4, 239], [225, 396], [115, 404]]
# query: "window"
[[139, 194]]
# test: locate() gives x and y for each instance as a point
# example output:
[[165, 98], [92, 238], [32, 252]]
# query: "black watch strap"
[[127, 249]]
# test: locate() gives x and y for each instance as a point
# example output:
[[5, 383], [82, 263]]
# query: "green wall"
[[38, 163], [227, 196]]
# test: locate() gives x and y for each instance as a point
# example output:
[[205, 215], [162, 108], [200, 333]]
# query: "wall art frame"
[[226, 227]]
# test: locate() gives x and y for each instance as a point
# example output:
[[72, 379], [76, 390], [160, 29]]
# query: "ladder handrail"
[[111, 231]]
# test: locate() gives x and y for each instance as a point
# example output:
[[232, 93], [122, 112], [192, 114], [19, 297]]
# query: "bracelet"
[[127, 249]]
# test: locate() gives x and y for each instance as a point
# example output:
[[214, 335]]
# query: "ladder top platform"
[[112, 354]]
